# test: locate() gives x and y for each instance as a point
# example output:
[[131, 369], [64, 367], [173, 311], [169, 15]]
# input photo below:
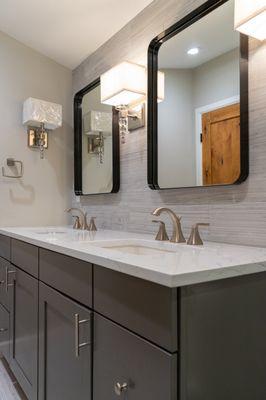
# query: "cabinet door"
[[5, 268], [4, 333], [64, 347], [24, 330], [128, 366]]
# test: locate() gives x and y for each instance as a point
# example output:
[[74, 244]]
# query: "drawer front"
[[25, 256], [69, 275], [5, 243], [145, 308], [121, 357], [5, 272], [4, 333]]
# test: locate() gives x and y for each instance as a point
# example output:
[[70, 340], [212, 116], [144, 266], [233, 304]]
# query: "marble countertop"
[[168, 264]]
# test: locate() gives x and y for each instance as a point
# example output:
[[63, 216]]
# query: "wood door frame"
[[198, 129]]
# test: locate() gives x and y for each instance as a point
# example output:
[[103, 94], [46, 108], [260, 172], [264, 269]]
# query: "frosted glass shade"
[[125, 84], [250, 18], [37, 111], [97, 121]]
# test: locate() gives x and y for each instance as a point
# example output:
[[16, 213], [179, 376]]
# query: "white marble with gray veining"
[[173, 266]]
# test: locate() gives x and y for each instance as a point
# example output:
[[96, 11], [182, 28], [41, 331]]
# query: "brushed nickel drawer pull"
[[7, 274], [3, 330], [78, 345], [119, 389]]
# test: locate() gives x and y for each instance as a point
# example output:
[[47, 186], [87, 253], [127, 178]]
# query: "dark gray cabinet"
[[5, 268], [25, 256], [5, 245], [122, 358], [4, 333], [24, 330], [65, 347]]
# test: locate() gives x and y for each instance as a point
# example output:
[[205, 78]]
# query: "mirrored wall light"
[[250, 18], [41, 117], [125, 87]]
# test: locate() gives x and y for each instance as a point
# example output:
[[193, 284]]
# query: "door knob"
[[119, 389]]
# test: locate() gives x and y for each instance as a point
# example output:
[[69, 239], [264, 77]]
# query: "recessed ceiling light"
[[193, 51]]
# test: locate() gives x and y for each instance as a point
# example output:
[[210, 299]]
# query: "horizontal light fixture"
[[125, 84], [250, 18], [193, 51]]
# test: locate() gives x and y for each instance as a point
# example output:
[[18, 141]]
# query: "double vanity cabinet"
[[70, 330]]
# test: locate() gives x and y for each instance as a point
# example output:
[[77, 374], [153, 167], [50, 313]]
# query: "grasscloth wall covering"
[[236, 214]]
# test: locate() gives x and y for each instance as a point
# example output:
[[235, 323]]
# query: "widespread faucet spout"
[[177, 236]]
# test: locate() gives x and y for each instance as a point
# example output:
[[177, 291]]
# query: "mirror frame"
[[153, 51], [78, 143]]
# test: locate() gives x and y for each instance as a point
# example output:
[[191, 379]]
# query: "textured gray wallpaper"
[[236, 214]]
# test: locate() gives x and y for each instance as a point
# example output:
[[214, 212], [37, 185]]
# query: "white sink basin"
[[140, 247]]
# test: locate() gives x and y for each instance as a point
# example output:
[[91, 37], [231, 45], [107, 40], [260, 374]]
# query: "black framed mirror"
[[96, 146], [198, 135]]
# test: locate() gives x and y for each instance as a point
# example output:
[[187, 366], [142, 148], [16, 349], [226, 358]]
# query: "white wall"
[[41, 196]]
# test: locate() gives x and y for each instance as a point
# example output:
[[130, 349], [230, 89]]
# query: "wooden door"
[[65, 354], [221, 146], [24, 330]]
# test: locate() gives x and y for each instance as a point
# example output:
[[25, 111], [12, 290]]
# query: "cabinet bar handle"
[[120, 388], [7, 274], [3, 330], [78, 345]]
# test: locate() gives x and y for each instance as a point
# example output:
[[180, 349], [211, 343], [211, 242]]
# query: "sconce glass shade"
[[250, 18], [97, 121], [125, 84], [160, 87], [37, 112]]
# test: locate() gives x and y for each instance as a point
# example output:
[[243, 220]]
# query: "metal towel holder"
[[11, 162]]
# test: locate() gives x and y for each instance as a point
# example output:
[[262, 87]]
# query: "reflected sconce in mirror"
[[41, 117], [125, 87], [250, 18], [97, 125]]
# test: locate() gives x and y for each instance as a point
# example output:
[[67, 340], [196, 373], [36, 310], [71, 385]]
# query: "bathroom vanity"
[[107, 314]]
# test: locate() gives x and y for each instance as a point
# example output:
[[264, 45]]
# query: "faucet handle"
[[194, 238], [162, 234], [77, 223], [92, 225]]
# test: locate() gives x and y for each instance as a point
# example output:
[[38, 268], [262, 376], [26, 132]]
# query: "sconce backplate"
[[34, 138], [136, 118]]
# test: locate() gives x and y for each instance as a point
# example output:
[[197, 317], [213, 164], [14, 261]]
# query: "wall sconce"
[[40, 117], [125, 88], [250, 18], [97, 125]]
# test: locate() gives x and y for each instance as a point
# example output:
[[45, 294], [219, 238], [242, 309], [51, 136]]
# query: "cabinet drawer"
[[5, 270], [25, 256], [145, 308], [122, 357], [5, 242], [68, 275], [4, 333]]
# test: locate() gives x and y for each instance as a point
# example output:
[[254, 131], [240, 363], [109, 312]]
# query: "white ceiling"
[[66, 30], [213, 35]]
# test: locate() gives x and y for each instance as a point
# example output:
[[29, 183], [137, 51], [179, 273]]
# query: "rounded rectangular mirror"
[[96, 143], [198, 135]]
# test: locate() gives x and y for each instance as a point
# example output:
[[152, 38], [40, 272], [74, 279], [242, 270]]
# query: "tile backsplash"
[[237, 214]]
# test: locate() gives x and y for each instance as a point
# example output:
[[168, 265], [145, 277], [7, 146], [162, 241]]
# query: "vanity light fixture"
[[40, 117], [193, 51], [250, 18], [125, 87]]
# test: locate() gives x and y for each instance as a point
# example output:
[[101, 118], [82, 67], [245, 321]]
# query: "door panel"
[[221, 145], [4, 333], [24, 330], [64, 374], [5, 266]]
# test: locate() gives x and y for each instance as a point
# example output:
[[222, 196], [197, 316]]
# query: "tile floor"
[[7, 389]]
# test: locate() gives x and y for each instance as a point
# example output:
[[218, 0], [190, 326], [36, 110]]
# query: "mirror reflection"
[[199, 119], [97, 144]]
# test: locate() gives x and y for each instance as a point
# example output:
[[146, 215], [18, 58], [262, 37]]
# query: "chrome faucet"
[[79, 223], [177, 236]]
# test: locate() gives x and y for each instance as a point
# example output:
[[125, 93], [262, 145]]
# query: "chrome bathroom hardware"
[[92, 226], [177, 236], [78, 345], [80, 223], [7, 284], [194, 238], [11, 162], [120, 388]]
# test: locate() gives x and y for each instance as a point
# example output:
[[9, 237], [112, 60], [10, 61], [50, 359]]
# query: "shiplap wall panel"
[[237, 214]]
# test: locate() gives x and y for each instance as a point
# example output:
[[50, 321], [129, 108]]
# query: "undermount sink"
[[139, 247]]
